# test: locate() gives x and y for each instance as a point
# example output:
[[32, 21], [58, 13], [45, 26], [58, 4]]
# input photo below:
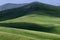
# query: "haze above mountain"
[[10, 6]]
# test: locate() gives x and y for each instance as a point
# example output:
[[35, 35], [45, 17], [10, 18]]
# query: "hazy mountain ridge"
[[31, 7], [10, 6]]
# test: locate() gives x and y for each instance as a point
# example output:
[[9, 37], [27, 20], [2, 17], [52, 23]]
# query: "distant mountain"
[[10, 6], [29, 8]]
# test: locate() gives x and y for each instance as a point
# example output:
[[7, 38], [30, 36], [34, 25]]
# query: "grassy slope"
[[21, 34], [35, 17], [10, 36], [34, 35], [39, 19], [29, 34]]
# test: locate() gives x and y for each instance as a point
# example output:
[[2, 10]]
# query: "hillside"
[[21, 34], [34, 21], [27, 9], [10, 36]]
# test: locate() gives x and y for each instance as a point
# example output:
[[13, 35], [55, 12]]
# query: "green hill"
[[21, 34], [34, 21], [10, 36]]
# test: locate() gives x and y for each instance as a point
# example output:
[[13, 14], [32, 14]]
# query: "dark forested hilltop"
[[27, 9]]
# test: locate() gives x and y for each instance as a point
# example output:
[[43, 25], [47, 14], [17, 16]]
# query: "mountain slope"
[[27, 9], [9, 6], [45, 16], [35, 22]]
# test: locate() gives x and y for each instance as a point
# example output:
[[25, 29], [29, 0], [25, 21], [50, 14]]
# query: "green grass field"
[[17, 34], [46, 21], [21, 34], [10, 36]]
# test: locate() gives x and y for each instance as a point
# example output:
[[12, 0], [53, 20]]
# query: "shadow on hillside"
[[48, 13], [29, 26], [6, 15], [13, 15]]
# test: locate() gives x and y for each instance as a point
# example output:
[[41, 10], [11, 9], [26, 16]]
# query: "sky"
[[52, 2]]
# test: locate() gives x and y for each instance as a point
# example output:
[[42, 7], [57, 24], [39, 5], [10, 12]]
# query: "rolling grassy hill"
[[10, 36], [21, 34], [34, 21]]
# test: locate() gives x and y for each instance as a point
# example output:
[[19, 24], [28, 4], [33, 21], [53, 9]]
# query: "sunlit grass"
[[17, 33], [48, 21]]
